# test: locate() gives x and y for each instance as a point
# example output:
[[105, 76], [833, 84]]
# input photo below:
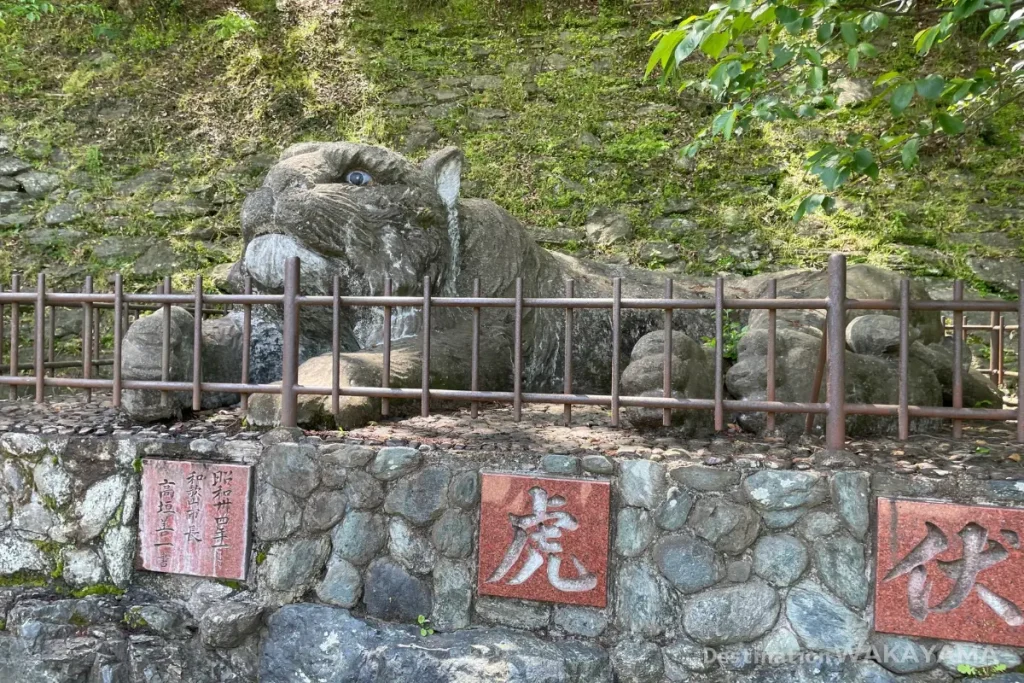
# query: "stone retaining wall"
[[754, 563]]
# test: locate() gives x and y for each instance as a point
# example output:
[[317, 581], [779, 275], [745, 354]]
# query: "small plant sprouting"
[[231, 24], [980, 671], [732, 332], [424, 625]]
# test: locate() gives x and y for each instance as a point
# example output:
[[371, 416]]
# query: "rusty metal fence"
[[47, 370]]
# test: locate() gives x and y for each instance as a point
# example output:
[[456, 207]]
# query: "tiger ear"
[[445, 168]]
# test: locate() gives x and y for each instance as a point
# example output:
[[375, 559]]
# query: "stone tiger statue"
[[364, 213]]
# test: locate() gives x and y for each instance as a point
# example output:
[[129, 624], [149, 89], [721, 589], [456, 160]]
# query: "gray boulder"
[[37, 184], [688, 562], [329, 644], [876, 335], [394, 594], [871, 363], [692, 377], [141, 360], [606, 227], [226, 624], [869, 379], [822, 622], [222, 358], [733, 614]]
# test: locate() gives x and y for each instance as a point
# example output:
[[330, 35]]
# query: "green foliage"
[[98, 589], [29, 10], [980, 671], [424, 625], [230, 25], [24, 580], [133, 619], [732, 332], [773, 61]]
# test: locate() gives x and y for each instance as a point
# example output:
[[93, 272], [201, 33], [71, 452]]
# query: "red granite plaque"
[[950, 571], [194, 518], [544, 538]]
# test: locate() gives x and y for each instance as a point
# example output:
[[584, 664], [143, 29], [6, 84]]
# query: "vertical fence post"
[[12, 391], [958, 356], [517, 354], [992, 343], [246, 342], [719, 354], [2, 328], [87, 336], [1000, 339], [474, 352], [1020, 361], [904, 383], [835, 425], [51, 336], [616, 343], [425, 364], [666, 363], [118, 334], [773, 292], [197, 348], [290, 344], [40, 338], [385, 370], [570, 292], [336, 347], [165, 344]]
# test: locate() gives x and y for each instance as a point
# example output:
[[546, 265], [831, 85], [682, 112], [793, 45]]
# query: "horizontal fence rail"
[[113, 311]]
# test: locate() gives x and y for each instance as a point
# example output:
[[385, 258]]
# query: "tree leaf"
[[930, 87], [951, 125], [868, 50], [901, 98], [965, 8], [873, 21], [783, 56], [854, 58], [909, 153], [925, 38], [849, 32], [825, 31], [714, 44], [886, 77], [693, 39], [762, 44], [863, 158], [816, 78], [812, 55], [810, 204], [786, 15]]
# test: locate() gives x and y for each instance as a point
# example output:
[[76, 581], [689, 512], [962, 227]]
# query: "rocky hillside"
[[128, 139]]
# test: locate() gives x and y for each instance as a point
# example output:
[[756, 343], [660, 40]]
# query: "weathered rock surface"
[[779, 560], [142, 358], [821, 621], [688, 562], [50, 641], [732, 614], [870, 365], [692, 377], [325, 643], [392, 593]]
